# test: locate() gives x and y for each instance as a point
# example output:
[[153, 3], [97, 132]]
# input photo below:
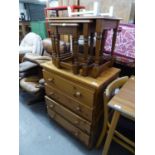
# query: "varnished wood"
[[123, 104], [72, 89], [111, 132], [74, 119], [88, 82], [79, 108], [86, 26], [124, 101], [75, 97]]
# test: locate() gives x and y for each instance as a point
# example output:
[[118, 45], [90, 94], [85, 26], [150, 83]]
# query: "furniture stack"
[[87, 59], [74, 97], [24, 28]]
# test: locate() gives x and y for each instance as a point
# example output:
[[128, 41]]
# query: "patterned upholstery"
[[125, 44]]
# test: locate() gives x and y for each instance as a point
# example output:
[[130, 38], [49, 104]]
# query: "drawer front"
[[69, 102], [70, 116], [71, 128], [78, 92]]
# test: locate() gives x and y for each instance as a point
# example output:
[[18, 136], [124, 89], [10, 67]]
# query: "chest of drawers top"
[[89, 82]]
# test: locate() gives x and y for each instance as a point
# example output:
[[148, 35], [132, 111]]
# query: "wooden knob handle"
[[52, 93], [78, 108], [50, 79], [77, 94], [51, 106]]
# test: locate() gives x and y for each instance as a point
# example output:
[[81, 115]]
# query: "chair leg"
[[113, 125], [102, 135]]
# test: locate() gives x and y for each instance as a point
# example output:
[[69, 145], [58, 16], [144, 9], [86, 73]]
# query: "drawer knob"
[[51, 106], [51, 79], [52, 93], [77, 94], [78, 108]]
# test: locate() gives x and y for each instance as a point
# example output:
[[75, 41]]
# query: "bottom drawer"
[[72, 129], [79, 122]]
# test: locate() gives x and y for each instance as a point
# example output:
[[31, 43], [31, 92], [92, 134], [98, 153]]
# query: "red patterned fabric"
[[125, 44]]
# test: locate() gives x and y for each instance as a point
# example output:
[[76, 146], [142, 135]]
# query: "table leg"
[[75, 38], [85, 61], [113, 125], [55, 37], [85, 34]]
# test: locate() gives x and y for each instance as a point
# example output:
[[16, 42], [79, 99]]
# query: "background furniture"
[[31, 43], [57, 9], [122, 8], [124, 52], [94, 12], [123, 104], [31, 78], [24, 28], [75, 101]]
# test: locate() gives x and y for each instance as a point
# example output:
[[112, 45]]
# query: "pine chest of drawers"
[[76, 102]]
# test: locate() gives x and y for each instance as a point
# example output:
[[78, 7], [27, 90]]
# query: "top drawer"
[[79, 93]]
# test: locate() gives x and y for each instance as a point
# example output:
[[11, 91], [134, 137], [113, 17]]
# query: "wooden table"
[[91, 26], [123, 104]]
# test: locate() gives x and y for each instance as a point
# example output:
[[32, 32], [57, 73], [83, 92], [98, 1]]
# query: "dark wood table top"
[[84, 18], [124, 101]]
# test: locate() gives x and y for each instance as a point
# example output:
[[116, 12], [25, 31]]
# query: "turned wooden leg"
[[113, 125], [86, 48], [75, 52]]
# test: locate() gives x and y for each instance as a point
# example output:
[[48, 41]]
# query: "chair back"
[[114, 87], [31, 43], [108, 94]]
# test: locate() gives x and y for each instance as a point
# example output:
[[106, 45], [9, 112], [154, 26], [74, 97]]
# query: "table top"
[[83, 18], [124, 101]]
